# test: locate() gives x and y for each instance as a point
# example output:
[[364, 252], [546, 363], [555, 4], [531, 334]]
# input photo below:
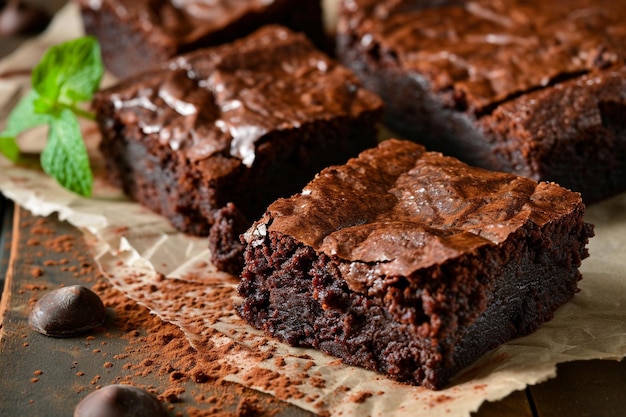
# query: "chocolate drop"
[[67, 311], [120, 401]]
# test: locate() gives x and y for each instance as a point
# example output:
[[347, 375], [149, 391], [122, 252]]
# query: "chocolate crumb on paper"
[[361, 397]]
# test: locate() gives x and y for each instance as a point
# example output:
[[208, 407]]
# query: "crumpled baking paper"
[[137, 248]]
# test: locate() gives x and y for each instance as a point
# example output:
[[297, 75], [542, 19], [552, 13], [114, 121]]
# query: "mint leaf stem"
[[82, 113]]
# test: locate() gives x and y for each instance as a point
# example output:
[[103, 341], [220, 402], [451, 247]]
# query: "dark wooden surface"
[[45, 376]]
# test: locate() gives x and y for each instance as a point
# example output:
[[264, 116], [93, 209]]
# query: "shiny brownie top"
[[223, 100], [482, 52], [397, 208], [182, 21]]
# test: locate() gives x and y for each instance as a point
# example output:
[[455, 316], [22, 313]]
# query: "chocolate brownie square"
[[138, 34], [411, 263], [534, 88], [241, 123]]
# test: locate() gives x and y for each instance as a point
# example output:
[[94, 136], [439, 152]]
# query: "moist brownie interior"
[[411, 263]]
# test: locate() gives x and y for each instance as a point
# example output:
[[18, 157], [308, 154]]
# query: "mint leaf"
[[24, 117], [21, 118], [65, 155], [68, 73], [9, 148]]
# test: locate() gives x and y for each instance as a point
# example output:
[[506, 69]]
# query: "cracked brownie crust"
[[411, 263], [533, 88], [137, 35], [212, 137]]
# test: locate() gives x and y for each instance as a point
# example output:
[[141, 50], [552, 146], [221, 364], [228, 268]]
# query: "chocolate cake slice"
[[536, 88], [214, 136], [137, 35], [411, 263]]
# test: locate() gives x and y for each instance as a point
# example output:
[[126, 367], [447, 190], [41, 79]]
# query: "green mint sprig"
[[67, 76]]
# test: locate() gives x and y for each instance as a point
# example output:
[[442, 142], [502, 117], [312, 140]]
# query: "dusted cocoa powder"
[[155, 355]]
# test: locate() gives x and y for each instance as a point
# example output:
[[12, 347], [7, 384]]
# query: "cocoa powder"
[[192, 383], [160, 348]]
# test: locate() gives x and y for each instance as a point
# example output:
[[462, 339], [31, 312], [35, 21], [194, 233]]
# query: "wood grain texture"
[[515, 405], [593, 388]]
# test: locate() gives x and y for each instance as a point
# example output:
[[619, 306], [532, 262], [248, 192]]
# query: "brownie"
[[224, 239], [412, 263], [534, 87], [241, 123], [136, 35]]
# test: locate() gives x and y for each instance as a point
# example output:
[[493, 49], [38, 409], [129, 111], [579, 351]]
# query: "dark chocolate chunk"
[[67, 312], [19, 18], [120, 401]]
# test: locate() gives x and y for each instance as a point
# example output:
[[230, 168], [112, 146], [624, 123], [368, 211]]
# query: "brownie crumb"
[[360, 397], [173, 395], [247, 408], [226, 247], [36, 272]]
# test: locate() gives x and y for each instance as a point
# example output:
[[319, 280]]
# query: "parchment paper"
[[137, 248]]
